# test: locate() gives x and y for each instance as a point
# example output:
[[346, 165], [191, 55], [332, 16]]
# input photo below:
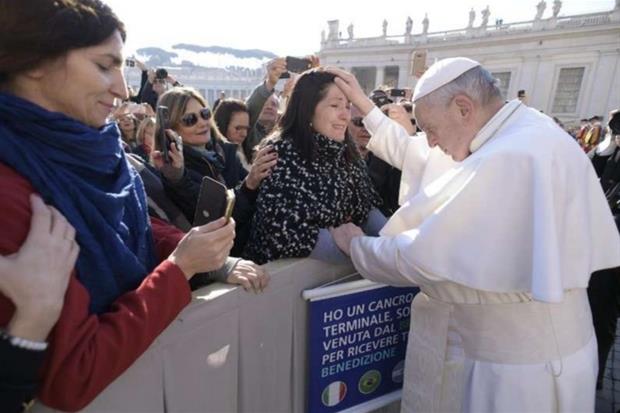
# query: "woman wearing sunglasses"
[[205, 153]]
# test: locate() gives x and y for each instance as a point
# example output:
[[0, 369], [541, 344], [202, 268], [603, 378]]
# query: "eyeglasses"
[[191, 119], [357, 122]]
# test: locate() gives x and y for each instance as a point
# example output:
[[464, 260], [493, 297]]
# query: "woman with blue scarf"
[[60, 73]]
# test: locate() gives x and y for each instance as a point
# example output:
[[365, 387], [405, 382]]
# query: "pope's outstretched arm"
[[389, 140], [381, 259]]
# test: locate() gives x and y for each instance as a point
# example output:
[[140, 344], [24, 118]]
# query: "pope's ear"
[[464, 105]]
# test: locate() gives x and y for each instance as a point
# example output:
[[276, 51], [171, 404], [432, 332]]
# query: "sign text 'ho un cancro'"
[[364, 333]]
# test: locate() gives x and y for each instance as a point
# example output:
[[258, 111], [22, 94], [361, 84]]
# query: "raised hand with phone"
[[275, 69], [168, 154]]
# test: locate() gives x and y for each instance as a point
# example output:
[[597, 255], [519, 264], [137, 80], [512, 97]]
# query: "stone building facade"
[[569, 66]]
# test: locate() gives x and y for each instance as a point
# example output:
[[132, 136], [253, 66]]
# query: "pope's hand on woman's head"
[[351, 88]]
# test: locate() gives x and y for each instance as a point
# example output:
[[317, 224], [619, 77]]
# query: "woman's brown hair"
[[35, 31]]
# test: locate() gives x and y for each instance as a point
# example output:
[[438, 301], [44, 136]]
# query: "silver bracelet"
[[22, 342]]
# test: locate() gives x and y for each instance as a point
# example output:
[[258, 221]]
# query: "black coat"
[[302, 197], [386, 180], [19, 376], [611, 173], [185, 192]]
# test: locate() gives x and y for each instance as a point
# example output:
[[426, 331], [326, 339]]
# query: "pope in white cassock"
[[502, 222]]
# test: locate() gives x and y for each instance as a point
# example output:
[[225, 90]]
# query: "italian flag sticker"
[[334, 393]]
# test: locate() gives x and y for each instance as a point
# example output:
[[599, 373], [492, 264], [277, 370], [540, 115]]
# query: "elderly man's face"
[[444, 128], [358, 132], [269, 114]]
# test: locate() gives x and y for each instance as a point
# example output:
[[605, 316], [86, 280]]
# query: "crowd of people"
[[447, 187]]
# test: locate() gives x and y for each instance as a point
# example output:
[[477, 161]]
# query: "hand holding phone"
[[214, 201], [296, 65], [162, 122]]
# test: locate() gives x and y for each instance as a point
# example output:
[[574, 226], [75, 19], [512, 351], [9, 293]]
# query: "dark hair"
[[32, 31], [224, 111], [222, 115], [295, 124], [614, 122], [135, 122], [521, 93]]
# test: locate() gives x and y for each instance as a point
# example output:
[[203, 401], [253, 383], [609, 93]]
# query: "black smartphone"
[[398, 93], [162, 121], [297, 65], [214, 201]]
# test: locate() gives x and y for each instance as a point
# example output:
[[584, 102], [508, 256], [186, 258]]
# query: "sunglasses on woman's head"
[[357, 122], [191, 119]]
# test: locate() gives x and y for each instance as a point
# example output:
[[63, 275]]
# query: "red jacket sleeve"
[[166, 237], [87, 352]]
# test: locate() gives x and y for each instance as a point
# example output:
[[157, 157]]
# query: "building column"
[[403, 80], [379, 79]]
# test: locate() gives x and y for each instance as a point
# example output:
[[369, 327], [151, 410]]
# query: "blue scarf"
[[84, 173]]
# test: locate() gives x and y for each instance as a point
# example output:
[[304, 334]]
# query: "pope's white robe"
[[502, 246]]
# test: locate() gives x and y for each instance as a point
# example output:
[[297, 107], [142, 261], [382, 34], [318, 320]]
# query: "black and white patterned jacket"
[[301, 197]]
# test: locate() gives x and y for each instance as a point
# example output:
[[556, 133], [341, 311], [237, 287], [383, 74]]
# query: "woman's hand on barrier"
[[344, 234], [251, 276], [204, 248], [351, 88], [35, 278], [264, 162], [173, 171]]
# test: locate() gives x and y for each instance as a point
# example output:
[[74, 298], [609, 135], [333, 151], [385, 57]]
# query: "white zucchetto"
[[442, 73]]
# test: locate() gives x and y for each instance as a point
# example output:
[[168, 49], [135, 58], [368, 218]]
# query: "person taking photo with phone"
[[59, 75], [204, 152]]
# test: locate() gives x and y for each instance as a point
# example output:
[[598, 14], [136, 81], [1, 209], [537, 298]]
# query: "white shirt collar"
[[494, 124]]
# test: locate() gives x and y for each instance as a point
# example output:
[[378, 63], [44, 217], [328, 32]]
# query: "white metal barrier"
[[228, 351]]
